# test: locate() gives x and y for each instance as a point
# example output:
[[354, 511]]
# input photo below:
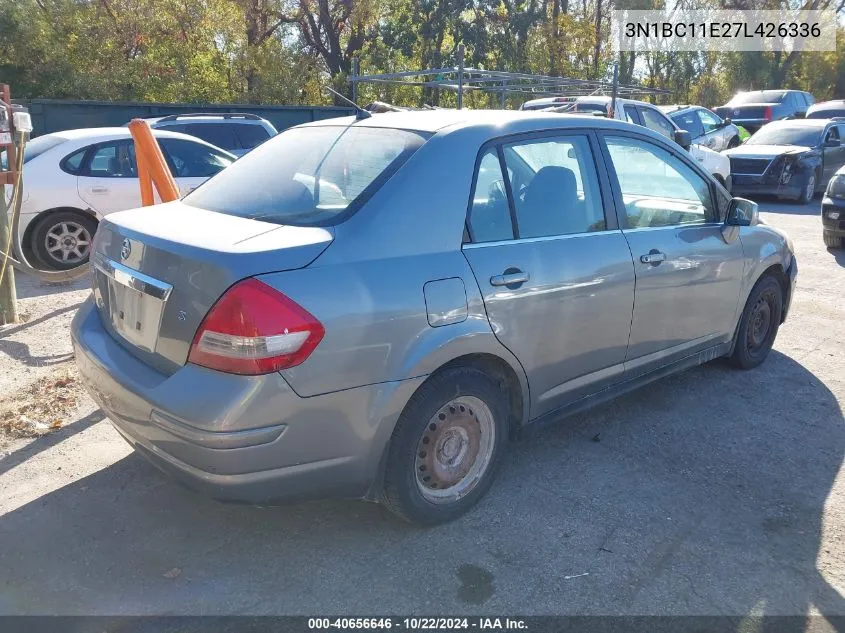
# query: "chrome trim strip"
[[133, 279], [545, 238]]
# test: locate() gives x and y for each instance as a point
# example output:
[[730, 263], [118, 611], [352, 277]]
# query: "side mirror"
[[727, 121], [683, 138], [741, 212]]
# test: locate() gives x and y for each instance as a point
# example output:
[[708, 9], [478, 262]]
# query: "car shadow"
[[28, 286], [838, 255], [702, 494]]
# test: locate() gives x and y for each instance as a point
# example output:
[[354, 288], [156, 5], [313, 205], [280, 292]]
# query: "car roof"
[[503, 121], [211, 117], [113, 132], [98, 134], [675, 108]]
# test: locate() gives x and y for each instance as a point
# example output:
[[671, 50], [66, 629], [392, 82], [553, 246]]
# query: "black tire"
[[58, 226], [734, 142], [403, 490], [832, 241], [759, 324], [809, 190]]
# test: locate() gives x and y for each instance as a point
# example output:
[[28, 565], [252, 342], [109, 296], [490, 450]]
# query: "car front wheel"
[[809, 189], [62, 240], [446, 447], [759, 324], [832, 241]]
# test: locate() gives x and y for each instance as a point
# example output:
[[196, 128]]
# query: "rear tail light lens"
[[255, 329], [767, 113]]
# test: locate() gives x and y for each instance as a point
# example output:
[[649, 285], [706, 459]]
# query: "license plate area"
[[131, 302]]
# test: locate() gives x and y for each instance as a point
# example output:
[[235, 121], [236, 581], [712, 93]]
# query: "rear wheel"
[[446, 447], [759, 324], [62, 240], [832, 241]]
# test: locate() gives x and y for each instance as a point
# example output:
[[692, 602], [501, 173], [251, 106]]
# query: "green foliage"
[[284, 51]]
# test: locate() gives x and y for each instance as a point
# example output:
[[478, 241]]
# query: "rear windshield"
[[591, 107], [35, 148], [762, 96], [827, 113], [310, 176]]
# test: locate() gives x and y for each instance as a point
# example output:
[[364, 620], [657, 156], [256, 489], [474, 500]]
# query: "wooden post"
[[8, 293]]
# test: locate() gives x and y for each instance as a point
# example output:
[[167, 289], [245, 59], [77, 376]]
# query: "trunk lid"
[[747, 111], [158, 271]]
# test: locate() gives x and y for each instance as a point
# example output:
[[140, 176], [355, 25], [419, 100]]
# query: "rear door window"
[[113, 160], [72, 163], [221, 135], [554, 187], [490, 216], [251, 135], [193, 160]]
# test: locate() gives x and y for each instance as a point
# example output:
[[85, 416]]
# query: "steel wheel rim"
[[68, 242], [760, 323], [455, 450]]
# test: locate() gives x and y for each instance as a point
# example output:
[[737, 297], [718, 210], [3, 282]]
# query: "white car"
[[638, 113], [74, 178]]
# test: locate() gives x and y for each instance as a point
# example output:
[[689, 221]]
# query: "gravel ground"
[[712, 492]]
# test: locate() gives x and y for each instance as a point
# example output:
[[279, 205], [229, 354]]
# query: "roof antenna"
[[360, 113]]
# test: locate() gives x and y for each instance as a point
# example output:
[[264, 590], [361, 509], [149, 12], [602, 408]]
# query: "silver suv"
[[373, 307], [235, 132]]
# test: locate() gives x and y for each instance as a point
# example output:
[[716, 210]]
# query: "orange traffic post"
[[152, 168]]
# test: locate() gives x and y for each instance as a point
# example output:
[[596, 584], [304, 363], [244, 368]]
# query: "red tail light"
[[255, 329], [767, 113]]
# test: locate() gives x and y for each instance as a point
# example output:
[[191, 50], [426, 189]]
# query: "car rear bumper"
[[243, 438], [829, 224]]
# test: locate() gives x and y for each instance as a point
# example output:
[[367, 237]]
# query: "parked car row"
[[796, 150], [645, 115]]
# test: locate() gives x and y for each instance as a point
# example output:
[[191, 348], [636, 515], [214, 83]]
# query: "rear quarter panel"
[[367, 288]]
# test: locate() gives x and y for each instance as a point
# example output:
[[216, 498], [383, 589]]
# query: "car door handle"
[[509, 279], [99, 189], [654, 257]]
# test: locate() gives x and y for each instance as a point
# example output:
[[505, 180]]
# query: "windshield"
[[762, 96], [308, 176], [774, 134], [34, 148]]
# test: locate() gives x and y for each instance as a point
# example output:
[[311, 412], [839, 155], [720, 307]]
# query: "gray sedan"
[[374, 307], [705, 127]]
